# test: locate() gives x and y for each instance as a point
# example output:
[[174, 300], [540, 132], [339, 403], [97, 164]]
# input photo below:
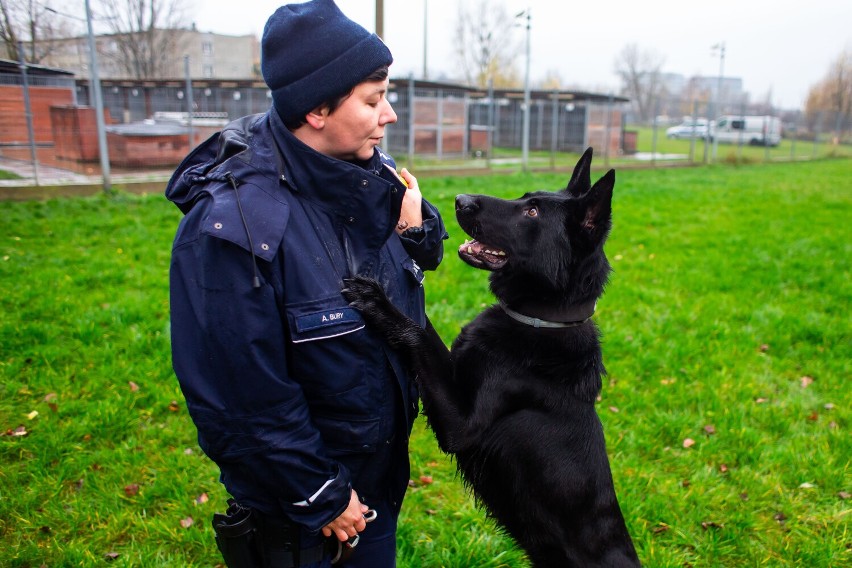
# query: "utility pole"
[[425, 38], [380, 18], [525, 135], [721, 48]]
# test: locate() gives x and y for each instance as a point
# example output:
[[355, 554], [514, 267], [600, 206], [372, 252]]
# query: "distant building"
[[211, 56], [732, 89]]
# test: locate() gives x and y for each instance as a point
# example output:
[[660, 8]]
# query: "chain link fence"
[[50, 127]]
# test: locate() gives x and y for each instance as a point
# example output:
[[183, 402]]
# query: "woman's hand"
[[350, 522], [411, 214]]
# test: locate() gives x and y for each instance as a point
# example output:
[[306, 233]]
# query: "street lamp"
[[720, 47], [525, 135]]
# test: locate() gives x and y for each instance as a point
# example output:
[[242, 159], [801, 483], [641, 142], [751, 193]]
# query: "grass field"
[[727, 408]]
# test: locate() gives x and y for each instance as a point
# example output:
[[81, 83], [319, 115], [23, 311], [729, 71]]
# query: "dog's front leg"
[[425, 352]]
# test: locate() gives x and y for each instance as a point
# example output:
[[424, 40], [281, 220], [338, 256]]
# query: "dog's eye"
[[531, 212]]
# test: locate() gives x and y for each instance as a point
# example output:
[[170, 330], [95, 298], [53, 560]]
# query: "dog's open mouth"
[[482, 256]]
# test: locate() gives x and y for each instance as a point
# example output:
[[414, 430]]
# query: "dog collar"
[[537, 322]]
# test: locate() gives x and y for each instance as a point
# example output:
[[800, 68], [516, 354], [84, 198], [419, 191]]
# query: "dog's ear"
[[581, 179], [597, 206]]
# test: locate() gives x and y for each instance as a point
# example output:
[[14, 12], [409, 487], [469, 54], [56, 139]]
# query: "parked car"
[[689, 128]]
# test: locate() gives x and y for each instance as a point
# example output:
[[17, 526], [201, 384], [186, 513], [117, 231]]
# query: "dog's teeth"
[[469, 250], [501, 253]]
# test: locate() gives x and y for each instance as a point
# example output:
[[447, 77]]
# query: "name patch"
[[325, 318]]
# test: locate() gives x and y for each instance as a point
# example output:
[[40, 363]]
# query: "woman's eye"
[[532, 212]]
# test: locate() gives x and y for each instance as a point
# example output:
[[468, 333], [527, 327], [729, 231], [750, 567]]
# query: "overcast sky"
[[777, 46]]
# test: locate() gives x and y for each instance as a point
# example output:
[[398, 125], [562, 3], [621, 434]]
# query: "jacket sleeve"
[[229, 352], [427, 249]]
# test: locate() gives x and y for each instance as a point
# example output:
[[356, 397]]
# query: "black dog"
[[514, 399]]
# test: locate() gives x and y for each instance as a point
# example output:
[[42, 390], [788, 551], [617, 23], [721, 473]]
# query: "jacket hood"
[[226, 152]]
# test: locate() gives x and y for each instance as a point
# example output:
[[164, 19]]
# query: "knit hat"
[[312, 53]]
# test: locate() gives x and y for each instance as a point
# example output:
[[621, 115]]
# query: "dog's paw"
[[362, 293]]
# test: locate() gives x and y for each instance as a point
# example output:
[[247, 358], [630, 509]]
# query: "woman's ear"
[[316, 118]]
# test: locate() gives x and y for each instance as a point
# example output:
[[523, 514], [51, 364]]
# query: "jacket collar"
[[364, 200]]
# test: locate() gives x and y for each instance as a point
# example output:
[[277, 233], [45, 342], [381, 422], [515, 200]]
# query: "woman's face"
[[358, 124]]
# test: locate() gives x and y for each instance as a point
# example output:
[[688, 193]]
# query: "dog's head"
[[546, 243]]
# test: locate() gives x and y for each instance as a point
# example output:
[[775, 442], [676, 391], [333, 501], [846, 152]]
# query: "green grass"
[[730, 285], [8, 175]]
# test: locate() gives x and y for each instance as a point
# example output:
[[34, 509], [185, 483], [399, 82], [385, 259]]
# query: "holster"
[[237, 537], [249, 539]]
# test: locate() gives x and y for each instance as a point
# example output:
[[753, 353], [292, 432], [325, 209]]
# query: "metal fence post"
[[28, 111], [410, 122], [189, 101], [489, 138], [554, 129], [98, 103]]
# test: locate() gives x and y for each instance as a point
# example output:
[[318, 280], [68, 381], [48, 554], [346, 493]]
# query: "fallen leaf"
[[763, 348], [685, 483], [32, 414], [828, 406], [813, 416], [432, 464], [78, 485], [186, 523], [201, 499], [131, 490], [667, 381], [614, 409], [173, 406], [688, 443], [807, 485], [711, 525], [426, 479], [133, 386], [780, 517], [723, 468], [744, 496], [50, 397], [661, 528], [761, 400], [806, 382], [20, 431], [411, 483], [431, 512], [710, 429], [110, 556], [844, 495], [188, 451]]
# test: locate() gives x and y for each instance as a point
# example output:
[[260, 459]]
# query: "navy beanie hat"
[[312, 53]]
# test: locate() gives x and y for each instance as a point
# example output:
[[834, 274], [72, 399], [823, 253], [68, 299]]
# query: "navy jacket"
[[293, 397]]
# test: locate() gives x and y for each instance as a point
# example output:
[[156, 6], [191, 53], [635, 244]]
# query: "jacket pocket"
[[348, 435], [322, 319]]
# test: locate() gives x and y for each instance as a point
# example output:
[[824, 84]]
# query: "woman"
[[306, 412]]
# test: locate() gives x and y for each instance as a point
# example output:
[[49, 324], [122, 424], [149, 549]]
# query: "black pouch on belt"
[[237, 537]]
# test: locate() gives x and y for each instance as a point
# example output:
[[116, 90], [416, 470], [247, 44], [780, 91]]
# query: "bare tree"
[[486, 45], [33, 23], [640, 74], [829, 103], [145, 35]]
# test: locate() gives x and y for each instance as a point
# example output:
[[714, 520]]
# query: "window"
[[207, 48], [207, 70]]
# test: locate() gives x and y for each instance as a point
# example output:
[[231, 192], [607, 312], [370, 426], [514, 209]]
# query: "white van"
[[753, 130]]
